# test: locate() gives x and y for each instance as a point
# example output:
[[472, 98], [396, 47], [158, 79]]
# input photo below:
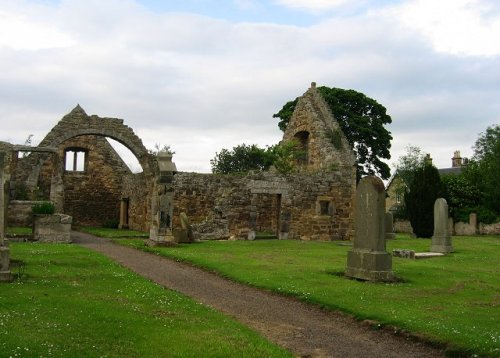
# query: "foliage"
[[452, 299], [476, 189], [485, 168], [160, 148], [462, 196], [408, 164], [284, 156], [244, 158], [45, 207], [241, 158], [78, 303], [420, 196], [362, 120]]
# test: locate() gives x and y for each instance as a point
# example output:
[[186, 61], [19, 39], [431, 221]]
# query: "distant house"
[[394, 189]]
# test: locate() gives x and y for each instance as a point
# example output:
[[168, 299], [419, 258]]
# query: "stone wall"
[[20, 213], [92, 196], [319, 134], [313, 206], [137, 192]]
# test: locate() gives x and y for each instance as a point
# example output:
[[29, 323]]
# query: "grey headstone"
[[441, 240], [389, 227], [368, 259]]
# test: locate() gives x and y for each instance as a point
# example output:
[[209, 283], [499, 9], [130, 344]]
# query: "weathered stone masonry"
[[301, 206], [315, 202]]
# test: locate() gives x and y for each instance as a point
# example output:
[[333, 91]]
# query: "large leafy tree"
[[241, 158], [362, 120], [486, 164], [423, 191], [244, 158]]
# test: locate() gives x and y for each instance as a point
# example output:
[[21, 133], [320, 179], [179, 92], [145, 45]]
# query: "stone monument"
[[441, 240], [389, 227], [368, 260], [160, 233], [185, 233]]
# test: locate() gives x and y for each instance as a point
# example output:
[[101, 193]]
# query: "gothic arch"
[[78, 123]]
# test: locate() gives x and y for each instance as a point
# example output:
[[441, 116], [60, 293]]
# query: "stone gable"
[[318, 133]]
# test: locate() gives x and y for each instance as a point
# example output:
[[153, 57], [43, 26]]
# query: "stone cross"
[[368, 259], [441, 240]]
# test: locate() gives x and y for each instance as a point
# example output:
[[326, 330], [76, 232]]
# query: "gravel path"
[[303, 329]]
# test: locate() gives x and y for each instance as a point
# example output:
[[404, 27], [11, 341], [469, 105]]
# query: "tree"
[[485, 167], [407, 164], [463, 196], [423, 191], [362, 120], [244, 158], [406, 167], [241, 158]]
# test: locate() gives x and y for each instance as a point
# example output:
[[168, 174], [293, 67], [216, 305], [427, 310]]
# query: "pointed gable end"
[[318, 133]]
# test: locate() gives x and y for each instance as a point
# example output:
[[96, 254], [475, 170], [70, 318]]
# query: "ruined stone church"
[[77, 169]]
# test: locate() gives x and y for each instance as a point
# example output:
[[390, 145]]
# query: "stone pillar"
[[5, 274], [441, 240], [389, 227], [123, 214], [57, 185], [368, 260], [160, 233]]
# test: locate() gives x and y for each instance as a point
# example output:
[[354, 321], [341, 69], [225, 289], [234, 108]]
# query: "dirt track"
[[303, 329]]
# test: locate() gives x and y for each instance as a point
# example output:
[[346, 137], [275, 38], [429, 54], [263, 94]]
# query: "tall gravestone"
[[368, 260], [389, 227], [441, 240]]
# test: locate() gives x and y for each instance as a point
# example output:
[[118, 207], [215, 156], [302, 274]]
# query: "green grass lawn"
[[72, 302], [452, 300], [19, 231], [112, 233]]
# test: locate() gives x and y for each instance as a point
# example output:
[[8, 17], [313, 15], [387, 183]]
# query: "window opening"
[[75, 160]]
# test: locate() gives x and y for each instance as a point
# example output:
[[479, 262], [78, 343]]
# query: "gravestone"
[[441, 240], [389, 227], [185, 233], [368, 260]]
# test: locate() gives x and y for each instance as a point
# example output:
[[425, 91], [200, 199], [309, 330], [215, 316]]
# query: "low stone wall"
[[489, 229], [457, 229], [19, 212], [402, 226], [52, 228]]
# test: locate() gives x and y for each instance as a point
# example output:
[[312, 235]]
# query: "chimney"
[[456, 161]]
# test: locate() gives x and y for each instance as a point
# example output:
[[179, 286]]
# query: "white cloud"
[[22, 33], [201, 84], [460, 27], [311, 5]]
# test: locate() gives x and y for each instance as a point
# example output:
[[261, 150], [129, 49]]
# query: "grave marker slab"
[[441, 240], [368, 259]]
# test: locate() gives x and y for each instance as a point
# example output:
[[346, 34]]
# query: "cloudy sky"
[[202, 75]]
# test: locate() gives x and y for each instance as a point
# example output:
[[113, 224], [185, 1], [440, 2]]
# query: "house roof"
[[448, 171]]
